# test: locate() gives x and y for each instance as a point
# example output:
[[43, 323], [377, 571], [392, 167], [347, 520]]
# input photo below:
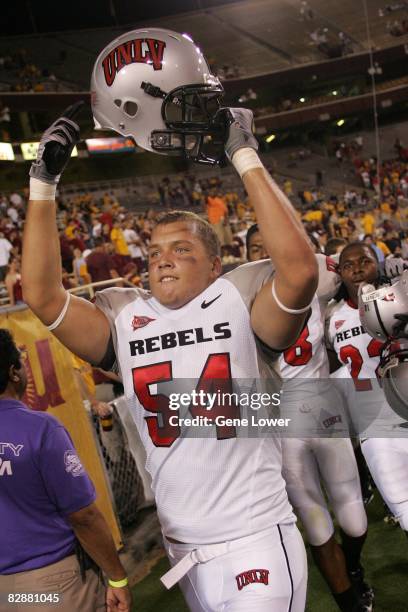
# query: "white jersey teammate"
[[227, 523], [311, 455], [379, 427]]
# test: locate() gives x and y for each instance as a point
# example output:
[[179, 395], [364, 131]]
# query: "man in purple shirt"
[[47, 506]]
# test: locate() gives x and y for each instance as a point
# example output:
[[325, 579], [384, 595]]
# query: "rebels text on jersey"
[[370, 412], [207, 489], [353, 345]]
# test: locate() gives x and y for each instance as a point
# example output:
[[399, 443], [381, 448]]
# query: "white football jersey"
[[307, 358], [354, 347], [217, 488], [360, 353], [308, 397]]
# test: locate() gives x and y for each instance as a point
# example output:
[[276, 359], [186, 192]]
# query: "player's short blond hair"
[[203, 229]]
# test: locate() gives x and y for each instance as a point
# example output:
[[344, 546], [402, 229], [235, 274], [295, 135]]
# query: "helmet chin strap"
[[153, 90]]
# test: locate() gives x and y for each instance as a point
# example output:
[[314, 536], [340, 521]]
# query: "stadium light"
[[334, 92], [340, 122], [29, 150], [302, 99], [270, 138], [6, 152]]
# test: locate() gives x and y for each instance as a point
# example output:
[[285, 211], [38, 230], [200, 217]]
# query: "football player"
[[228, 527], [308, 459], [379, 427]]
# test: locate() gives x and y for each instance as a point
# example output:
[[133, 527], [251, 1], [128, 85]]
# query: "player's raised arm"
[[81, 326], [280, 308]]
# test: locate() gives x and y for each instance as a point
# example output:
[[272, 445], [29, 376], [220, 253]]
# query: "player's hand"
[[118, 600], [101, 409], [239, 128], [56, 146], [394, 266]]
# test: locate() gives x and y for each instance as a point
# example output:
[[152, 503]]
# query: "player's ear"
[[14, 376], [216, 268]]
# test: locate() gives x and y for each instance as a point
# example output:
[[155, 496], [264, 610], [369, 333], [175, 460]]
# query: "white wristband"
[[41, 191], [246, 159], [61, 315], [285, 308]]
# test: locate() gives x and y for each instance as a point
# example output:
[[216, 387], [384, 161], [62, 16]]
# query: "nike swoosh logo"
[[207, 304]]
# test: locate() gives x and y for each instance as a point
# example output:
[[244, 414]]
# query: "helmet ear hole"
[[118, 103], [130, 108]]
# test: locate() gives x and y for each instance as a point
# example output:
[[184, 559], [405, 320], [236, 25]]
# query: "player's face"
[[180, 267], [357, 265], [256, 250]]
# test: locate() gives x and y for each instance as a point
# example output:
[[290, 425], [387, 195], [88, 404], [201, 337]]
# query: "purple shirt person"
[[42, 482], [47, 508]]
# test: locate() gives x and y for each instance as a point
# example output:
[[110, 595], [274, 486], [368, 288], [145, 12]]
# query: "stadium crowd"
[[101, 239]]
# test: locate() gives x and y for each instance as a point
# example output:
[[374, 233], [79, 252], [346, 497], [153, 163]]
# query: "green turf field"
[[385, 559]]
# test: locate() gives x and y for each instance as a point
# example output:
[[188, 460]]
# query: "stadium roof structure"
[[269, 42]]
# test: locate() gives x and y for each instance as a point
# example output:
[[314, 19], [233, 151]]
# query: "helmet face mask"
[[155, 86], [393, 370], [194, 128]]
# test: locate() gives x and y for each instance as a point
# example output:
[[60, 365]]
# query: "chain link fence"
[[124, 477]]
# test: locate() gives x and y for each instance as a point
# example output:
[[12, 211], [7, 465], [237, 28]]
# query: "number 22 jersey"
[[370, 412], [207, 489]]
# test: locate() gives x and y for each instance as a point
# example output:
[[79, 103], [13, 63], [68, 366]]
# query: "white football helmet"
[[384, 315], [393, 372], [379, 308], [155, 86]]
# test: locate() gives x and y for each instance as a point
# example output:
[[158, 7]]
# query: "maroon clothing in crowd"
[[66, 254], [107, 218], [99, 266]]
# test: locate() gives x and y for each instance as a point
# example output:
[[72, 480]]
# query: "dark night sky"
[[29, 16]]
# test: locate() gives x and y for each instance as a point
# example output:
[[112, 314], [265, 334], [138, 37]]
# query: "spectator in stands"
[[106, 232], [5, 250], [70, 228], [136, 250], [99, 263], [67, 254], [12, 213], [16, 199], [81, 274], [392, 241], [287, 188], [368, 239], [14, 237], [130, 272], [96, 227], [306, 13], [107, 216], [118, 239], [68, 281], [368, 222], [217, 212], [13, 283], [83, 373]]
